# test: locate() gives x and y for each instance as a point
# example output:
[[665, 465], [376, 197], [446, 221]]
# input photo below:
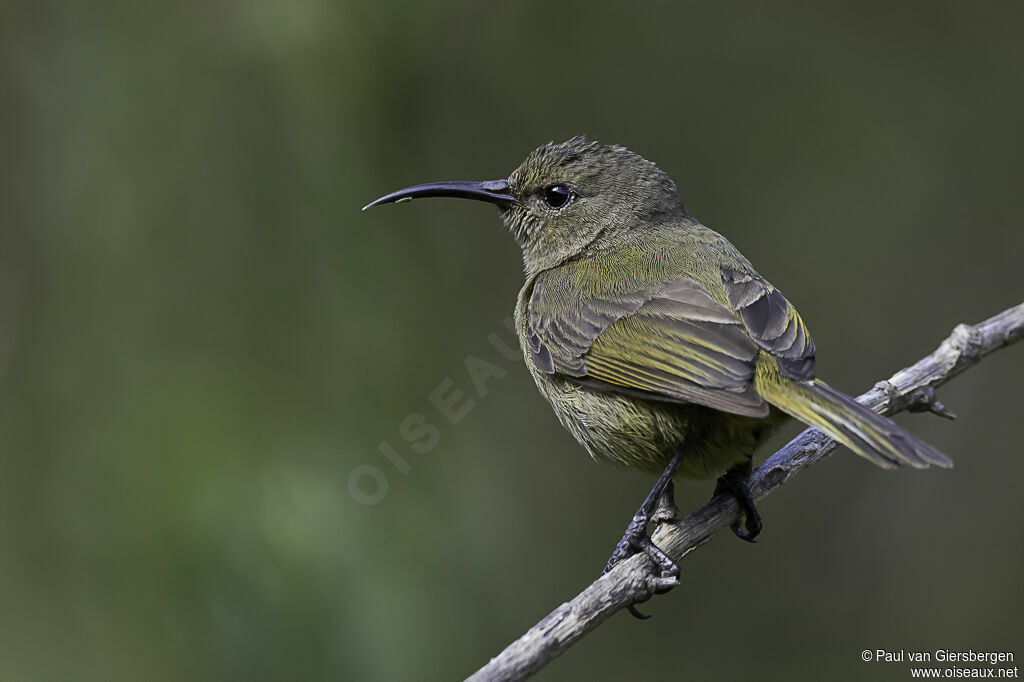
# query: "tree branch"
[[635, 579]]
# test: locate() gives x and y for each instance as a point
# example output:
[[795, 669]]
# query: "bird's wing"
[[670, 340]]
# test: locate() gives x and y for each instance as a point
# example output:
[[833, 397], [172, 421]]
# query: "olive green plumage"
[[648, 332]]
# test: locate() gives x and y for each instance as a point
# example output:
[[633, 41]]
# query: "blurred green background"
[[202, 338]]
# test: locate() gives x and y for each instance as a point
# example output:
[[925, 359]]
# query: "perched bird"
[[657, 344]]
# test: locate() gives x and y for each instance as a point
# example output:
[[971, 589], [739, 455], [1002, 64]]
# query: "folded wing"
[[669, 341]]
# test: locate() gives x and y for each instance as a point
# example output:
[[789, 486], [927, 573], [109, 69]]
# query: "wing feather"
[[772, 321]]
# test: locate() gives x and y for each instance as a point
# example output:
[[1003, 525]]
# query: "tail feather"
[[867, 433]]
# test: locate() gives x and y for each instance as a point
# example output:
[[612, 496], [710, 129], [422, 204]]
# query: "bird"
[[657, 344]]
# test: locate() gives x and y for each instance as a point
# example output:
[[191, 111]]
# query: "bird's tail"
[[867, 433]]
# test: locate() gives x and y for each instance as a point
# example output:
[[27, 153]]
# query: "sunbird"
[[657, 344]]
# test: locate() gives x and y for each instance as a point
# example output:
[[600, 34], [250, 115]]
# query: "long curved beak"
[[491, 191]]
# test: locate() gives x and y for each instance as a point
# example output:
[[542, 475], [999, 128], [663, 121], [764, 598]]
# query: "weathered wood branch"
[[635, 579]]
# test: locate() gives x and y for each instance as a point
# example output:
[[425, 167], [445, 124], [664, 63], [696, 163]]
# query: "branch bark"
[[635, 579]]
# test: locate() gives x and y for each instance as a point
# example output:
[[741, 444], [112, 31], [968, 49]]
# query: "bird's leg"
[[636, 538], [734, 482]]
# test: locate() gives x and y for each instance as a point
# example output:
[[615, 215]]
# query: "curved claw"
[[734, 482], [636, 613], [747, 534], [661, 584]]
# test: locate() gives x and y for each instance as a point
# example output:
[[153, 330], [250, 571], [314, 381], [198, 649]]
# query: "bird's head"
[[567, 198]]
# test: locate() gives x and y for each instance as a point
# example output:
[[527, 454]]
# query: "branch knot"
[[923, 400], [967, 341], [889, 390]]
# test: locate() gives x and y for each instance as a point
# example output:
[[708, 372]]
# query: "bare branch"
[[634, 580]]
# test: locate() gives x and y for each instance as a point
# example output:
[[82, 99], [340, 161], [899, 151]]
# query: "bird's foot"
[[734, 482], [636, 539], [659, 506]]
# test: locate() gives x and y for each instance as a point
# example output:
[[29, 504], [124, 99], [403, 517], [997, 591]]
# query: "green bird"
[[657, 344]]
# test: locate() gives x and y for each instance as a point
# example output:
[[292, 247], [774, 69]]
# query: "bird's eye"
[[557, 196]]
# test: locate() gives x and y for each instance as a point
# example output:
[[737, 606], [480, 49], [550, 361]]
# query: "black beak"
[[491, 191]]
